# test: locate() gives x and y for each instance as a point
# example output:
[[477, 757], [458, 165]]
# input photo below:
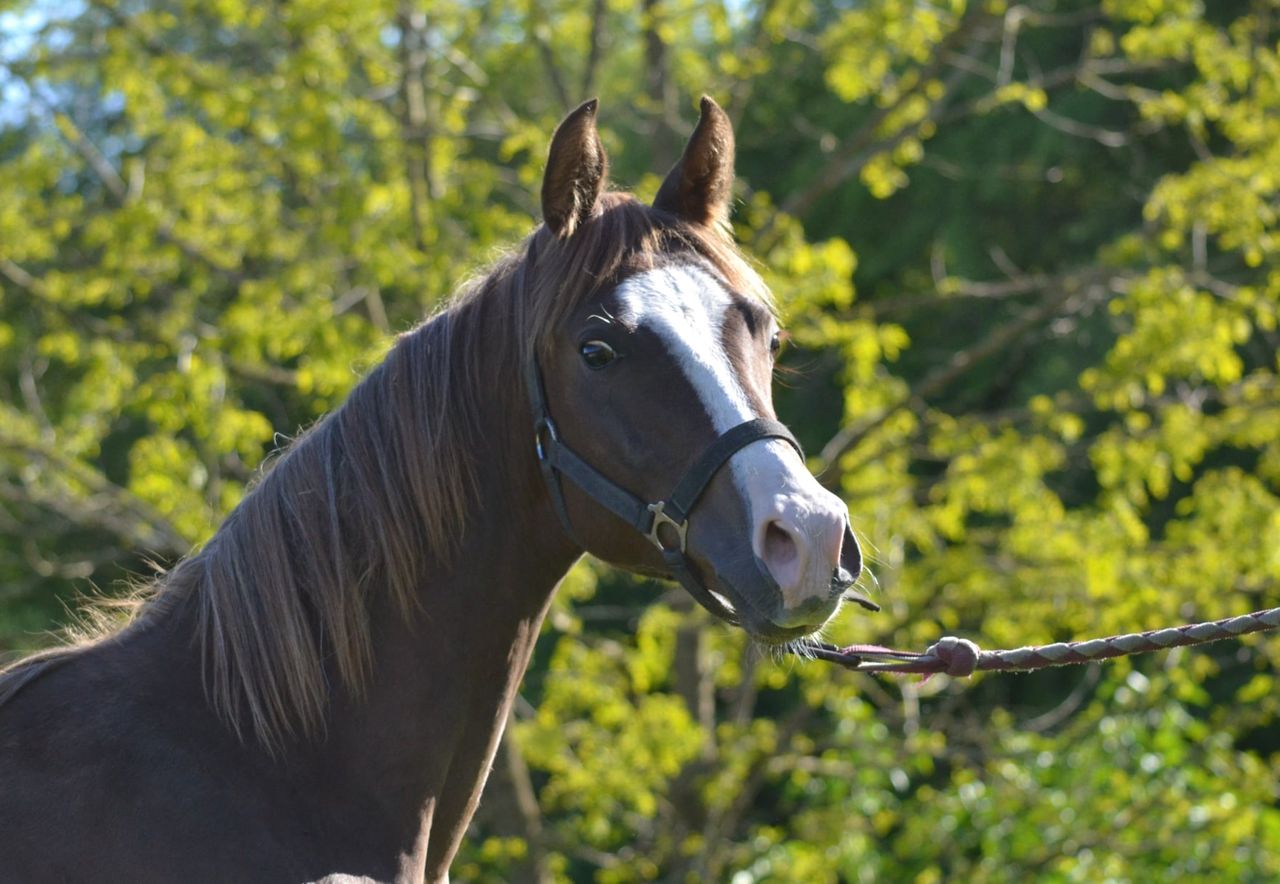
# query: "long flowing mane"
[[375, 496]]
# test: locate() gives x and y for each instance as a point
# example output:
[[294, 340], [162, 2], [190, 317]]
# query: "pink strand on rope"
[[960, 657]]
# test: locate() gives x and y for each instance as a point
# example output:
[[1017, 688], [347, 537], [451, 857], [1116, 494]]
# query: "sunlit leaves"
[[870, 43], [607, 737], [1115, 465], [1108, 797]]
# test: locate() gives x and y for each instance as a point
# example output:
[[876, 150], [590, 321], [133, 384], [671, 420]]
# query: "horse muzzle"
[[762, 609]]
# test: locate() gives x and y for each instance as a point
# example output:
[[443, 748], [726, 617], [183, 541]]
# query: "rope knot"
[[959, 656]]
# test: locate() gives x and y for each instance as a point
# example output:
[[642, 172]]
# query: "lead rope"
[[960, 657]]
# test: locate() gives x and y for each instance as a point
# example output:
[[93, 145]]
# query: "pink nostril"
[[783, 555], [835, 549], [779, 546]]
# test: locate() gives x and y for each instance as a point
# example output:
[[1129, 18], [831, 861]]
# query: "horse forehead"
[[686, 306], [682, 299]]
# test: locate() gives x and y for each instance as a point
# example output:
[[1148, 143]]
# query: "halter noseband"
[[666, 522]]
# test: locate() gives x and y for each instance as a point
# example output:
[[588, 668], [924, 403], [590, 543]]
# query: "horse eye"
[[596, 354], [775, 343]]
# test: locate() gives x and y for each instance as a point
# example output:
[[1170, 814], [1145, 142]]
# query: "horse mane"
[[378, 492]]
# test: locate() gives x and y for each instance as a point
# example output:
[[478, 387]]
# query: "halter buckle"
[[660, 518]]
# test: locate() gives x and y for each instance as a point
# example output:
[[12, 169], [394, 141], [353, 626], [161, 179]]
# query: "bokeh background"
[[1029, 260]]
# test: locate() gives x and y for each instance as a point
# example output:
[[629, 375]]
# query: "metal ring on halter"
[[660, 518]]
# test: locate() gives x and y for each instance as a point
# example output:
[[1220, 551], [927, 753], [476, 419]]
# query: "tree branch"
[[121, 192], [720, 826], [538, 34], [595, 47], [662, 96], [852, 156], [107, 505], [414, 128], [526, 802], [996, 340], [744, 86]]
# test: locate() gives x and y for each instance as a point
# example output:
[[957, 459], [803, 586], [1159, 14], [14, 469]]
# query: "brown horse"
[[320, 690]]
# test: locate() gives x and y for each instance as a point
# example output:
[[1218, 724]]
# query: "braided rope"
[[961, 658]]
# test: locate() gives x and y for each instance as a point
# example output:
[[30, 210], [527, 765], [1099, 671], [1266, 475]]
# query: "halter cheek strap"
[[666, 522]]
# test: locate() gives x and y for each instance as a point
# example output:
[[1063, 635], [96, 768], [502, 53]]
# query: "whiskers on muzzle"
[[797, 648]]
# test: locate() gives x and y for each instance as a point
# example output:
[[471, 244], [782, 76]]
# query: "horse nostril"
[[779, 546], [783, 552], [848, 554]]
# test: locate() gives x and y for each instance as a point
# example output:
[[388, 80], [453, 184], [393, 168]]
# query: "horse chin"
[[745, 587], [767, 633], [756, 600]]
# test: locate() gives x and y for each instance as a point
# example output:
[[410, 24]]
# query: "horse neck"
[[422, 734]]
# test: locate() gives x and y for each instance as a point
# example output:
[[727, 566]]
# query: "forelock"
[[625, 238]]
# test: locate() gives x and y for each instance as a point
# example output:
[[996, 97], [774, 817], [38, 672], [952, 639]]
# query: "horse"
[[318, 692]]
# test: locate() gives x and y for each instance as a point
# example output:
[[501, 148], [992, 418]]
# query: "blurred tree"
[[1051, 400]]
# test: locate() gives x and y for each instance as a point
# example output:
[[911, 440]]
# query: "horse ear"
[[576, 169], [700, 185]]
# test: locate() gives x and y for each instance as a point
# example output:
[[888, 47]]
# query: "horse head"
[[651, 392]]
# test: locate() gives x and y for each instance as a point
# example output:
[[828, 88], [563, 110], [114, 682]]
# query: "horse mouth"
[[761, 624], [772, 634], [753, 616]]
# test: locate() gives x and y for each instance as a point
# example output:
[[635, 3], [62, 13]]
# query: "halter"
[[664, 523]]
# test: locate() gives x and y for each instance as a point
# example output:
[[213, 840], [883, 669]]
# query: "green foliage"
[[1029, 260]]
